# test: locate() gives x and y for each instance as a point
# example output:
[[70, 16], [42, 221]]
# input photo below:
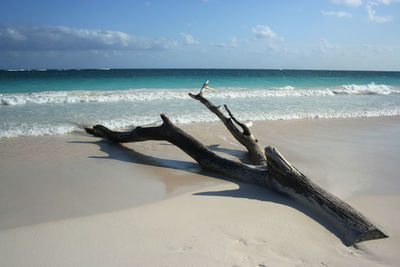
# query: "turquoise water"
[[119, 79], [47, 102]]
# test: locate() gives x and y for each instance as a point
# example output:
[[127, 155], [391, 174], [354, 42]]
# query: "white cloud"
[[264, 32], [352, 3], [147, 3], [189, 39], [13, 34], [233, 43], [42, 38], [387, 2], [272, 41], [339, 14], [373, 17]]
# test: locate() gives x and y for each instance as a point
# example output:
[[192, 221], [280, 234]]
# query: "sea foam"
[[135, 95], [37, 129], [372, 88]]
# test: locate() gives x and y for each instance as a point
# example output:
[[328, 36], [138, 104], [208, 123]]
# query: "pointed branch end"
[[91, 131], [371, 235], [97, 130], [205, 87], [165, 119], [227, 110]]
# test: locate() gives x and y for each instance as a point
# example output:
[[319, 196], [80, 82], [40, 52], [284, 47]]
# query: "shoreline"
[[315, 147], [54, 132], [149, 203]]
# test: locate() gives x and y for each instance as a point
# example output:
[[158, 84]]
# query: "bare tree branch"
[[246, 138]]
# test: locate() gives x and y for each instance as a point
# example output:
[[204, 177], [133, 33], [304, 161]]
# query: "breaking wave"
[[132, 95], [37, 129]]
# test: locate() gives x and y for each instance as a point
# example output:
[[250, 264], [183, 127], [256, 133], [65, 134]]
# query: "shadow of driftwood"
[[120, 152], [248, 191]]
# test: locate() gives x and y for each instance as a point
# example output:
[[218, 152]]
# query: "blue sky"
[[314, 34]]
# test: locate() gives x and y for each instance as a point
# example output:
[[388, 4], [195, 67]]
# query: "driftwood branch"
[[272, 171], [246, 130], [246, 138], [204, 87]]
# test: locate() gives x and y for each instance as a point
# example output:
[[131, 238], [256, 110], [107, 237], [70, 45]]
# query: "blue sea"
[[51, 102]]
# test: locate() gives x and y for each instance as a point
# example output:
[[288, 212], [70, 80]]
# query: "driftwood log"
[[271, 170]]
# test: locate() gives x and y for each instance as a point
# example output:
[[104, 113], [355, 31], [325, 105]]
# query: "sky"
[[263, 34]]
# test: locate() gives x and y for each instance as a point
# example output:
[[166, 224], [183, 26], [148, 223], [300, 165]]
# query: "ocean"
[[51, 102]]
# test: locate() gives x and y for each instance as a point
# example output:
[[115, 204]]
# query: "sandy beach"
[[75, 200]]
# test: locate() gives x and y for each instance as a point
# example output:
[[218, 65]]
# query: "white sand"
[[74, 201]]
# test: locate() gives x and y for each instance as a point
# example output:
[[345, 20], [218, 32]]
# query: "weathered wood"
[[278, 174], [244, 137], [351, 225]]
